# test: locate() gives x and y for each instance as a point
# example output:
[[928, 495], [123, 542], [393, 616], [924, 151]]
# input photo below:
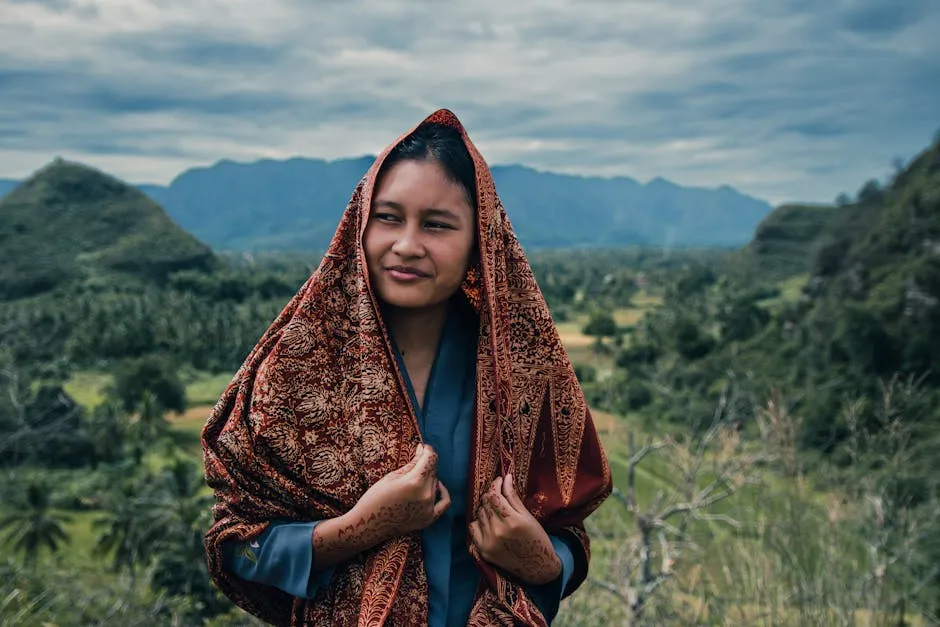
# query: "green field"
[[581, 348]]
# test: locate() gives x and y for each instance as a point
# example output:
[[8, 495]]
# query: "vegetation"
[[69, 224], [770, 416]]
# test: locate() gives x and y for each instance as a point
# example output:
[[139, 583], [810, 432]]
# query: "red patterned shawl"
[[318, 413]]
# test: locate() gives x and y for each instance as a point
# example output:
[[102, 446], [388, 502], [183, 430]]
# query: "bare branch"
[[611, 588]]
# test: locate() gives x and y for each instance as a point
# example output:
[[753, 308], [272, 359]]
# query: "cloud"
[[785, 100]]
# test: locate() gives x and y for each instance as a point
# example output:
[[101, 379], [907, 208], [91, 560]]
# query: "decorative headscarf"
[[318, 412]]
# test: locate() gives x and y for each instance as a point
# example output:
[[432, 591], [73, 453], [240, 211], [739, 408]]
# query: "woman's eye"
[[385, 217], [437, 225]]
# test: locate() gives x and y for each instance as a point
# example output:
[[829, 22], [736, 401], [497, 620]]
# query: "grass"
[[88, 387], [187, 428], [82, 538], [204, 388], [729, 563], [78, 551], [791, 290], [581, 348]]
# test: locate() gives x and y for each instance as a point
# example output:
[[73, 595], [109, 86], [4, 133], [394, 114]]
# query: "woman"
[[407, 443]]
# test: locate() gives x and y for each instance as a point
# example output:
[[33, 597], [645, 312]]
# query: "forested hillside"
[[69, 225]]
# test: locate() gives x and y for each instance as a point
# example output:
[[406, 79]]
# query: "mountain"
[[69, 223], [267, 205], [296, 205]]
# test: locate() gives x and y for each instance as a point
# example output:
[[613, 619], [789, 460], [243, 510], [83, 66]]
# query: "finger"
[[485, 518], [500, 507], [442, 505], [427, 467], [417, 462], [440, 490], [495, 484], [510, 494], [487, 503], [476, 535]]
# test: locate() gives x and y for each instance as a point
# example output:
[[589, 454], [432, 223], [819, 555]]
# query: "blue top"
[[282, 555]]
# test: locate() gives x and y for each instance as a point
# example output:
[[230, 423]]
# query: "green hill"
[[800, 239], [871, 307], [878, 275], [70, 224], [784, 242]]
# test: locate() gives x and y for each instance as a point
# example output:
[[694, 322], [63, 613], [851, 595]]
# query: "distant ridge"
[[69, 223], [295, 204]]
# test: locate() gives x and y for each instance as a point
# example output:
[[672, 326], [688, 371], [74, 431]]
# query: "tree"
[[585, 373], [871, 192], [600, 324], [691, 342], [180, 514], [712, 468], [124, 530], [154, 374], [741, 319], [39, 421], [34, 526]]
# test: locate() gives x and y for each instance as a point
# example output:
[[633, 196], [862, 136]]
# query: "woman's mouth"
[[405, 273]]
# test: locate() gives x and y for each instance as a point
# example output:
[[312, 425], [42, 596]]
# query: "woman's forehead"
[[419, 182]]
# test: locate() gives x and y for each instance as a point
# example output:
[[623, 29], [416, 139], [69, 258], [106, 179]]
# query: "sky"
[[786, 100]]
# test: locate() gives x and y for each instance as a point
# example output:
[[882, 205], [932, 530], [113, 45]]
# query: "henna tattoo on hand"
[[343, 539], [534, 562], [400, 503]]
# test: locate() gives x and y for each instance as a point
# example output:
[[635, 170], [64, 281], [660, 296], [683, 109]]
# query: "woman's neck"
[[416, 331]]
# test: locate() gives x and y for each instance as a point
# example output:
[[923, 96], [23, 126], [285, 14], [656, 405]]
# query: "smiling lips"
[[405, 273]]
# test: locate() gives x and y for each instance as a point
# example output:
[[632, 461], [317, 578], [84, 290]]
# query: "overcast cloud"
[[784, 99]]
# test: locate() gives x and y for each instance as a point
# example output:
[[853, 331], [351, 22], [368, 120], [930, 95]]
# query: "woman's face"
[[419, 237]]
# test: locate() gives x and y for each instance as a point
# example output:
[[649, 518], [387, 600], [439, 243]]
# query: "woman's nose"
[[408, 244]]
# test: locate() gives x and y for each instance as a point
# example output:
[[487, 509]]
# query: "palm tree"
[[35, 525], [124, 534], [181, 513]]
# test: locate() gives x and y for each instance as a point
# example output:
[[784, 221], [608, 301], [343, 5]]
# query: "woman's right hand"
[[405, 500]]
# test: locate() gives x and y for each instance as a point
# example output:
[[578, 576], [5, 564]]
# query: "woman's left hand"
[[507, 535]]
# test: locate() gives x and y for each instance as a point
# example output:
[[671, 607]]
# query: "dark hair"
[[443, 144]]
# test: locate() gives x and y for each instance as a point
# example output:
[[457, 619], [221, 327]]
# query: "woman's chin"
[[402, 299]]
